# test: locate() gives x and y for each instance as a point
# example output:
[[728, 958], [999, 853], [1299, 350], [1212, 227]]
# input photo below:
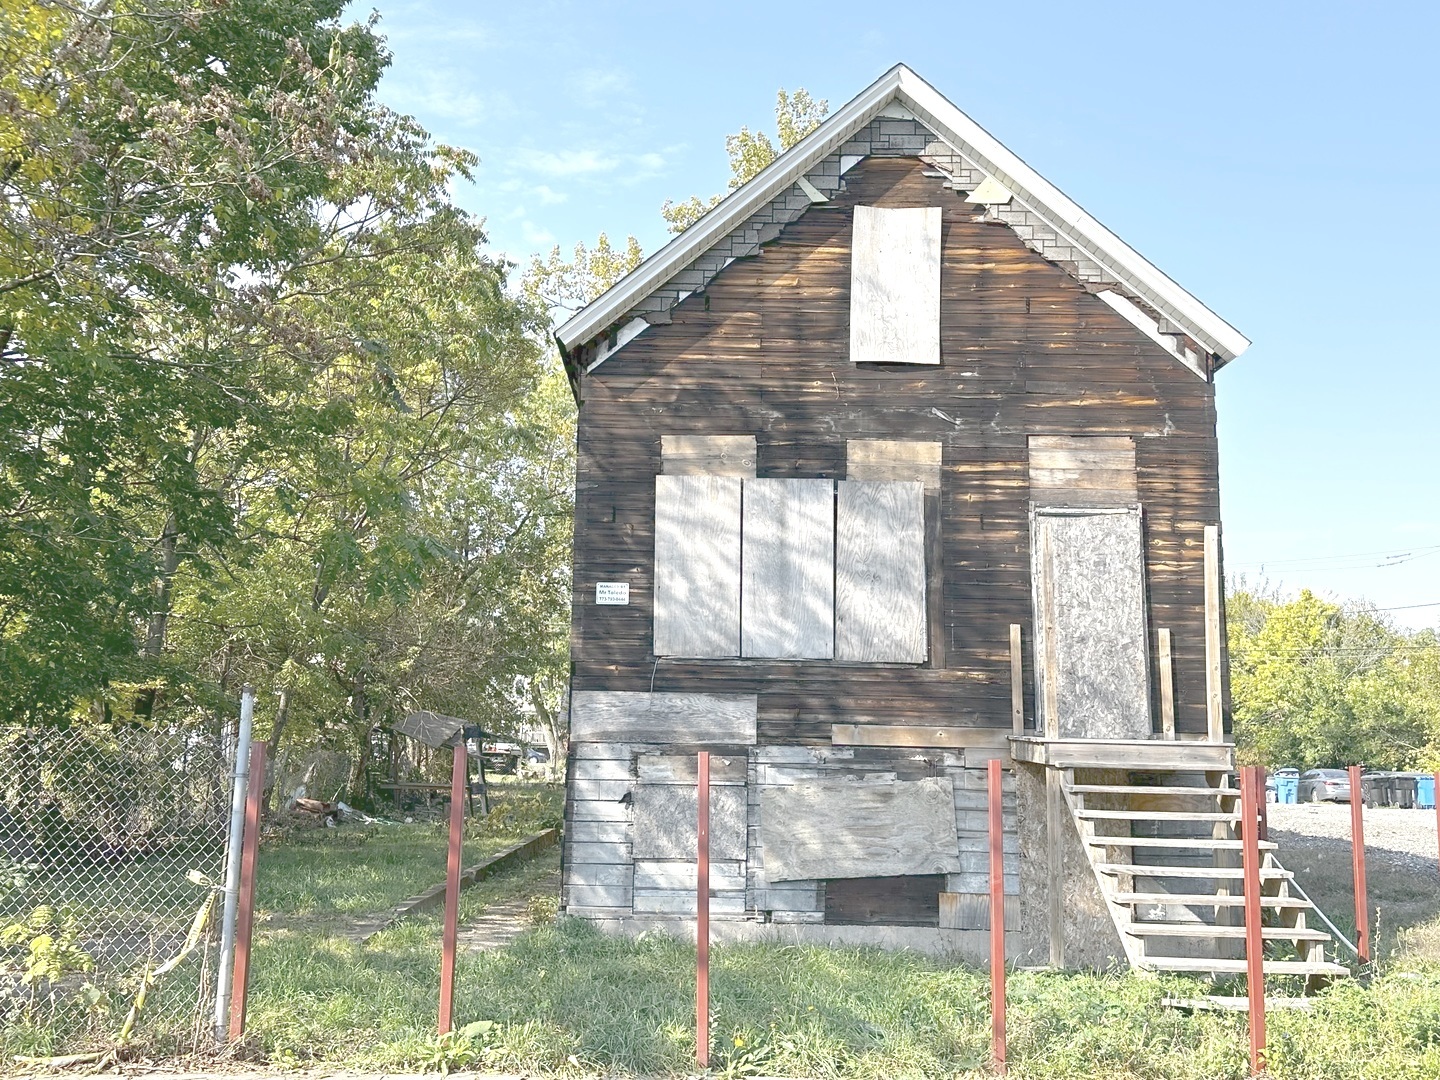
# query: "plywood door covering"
[[1091, 625]]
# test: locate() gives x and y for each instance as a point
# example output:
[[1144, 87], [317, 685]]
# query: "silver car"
[[1324, 785]]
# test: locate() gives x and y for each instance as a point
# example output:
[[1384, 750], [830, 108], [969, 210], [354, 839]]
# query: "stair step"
[[1222, 873], [1205, 930], [1238, 967], [1151, 789], [1152, 815], [1206, 900], [1197, 843]]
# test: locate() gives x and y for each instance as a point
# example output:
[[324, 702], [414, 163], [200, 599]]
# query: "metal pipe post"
[[702, 910], [245, 923], [1357, 849], [451, 933], [238, 785], [997, 916], [1252, 793]]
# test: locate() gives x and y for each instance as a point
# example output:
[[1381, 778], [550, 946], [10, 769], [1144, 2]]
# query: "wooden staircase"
[[1165, 847]]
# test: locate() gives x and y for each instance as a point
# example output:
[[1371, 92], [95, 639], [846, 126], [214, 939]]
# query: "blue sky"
[[1276, 159]]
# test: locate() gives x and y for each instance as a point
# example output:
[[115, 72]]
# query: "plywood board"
[[880, 613], [1091, 589], [894, 459], [708, 455], [788, 594], [598, 716], [895, 286], [665, 822], [1082, 470], [900, 735], [697, 566], [858, 828]]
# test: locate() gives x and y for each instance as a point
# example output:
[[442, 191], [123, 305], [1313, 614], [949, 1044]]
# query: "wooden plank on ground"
[[708, 455], [895, 286], [788, 591], [635, 716], [880, 572], [858, 828], [697, 566]]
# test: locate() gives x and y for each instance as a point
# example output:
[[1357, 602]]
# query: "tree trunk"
[[158, 627], [360, 708], [272, 744]]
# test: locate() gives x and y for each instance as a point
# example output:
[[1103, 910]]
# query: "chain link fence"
[[111, 841]]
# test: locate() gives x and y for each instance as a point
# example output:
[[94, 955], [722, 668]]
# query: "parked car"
[[1324, 785]]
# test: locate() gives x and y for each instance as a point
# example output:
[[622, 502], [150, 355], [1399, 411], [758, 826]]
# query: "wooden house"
[[896, 462]]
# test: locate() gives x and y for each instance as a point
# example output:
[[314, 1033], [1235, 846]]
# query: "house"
[[894, 463]]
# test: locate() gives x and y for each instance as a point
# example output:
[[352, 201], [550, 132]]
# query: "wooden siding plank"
[[897, 735], [895, 286], [856, 829], [880, 572], [697, 566], [708, 455], [788, 590], [607, 716]]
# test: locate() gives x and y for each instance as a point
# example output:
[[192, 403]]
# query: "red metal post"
[[1264, 802], [452, 889], [997, 918], [1357, 848], [245, 913], [1252, 796], [702, 911]]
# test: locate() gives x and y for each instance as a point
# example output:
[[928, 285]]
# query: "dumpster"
[[1287, 788], [1425, 792]]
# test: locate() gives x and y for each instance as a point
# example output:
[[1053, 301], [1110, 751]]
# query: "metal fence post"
[[1357, 848], [245, 923], [1251, 792], [451, 934], [702, 910], [997, 915], [232, 862]]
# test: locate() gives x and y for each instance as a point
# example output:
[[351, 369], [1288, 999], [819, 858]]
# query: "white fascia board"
[[1128, 310], [1039, 195], [731, 212]]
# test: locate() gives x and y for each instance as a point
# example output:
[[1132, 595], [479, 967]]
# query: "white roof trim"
[[968, 138]]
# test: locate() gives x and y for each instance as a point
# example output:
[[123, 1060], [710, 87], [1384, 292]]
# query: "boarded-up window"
[[788, 591], [880, 572], [895, 286], [697, 566], [1090, 637], [1082, 470]]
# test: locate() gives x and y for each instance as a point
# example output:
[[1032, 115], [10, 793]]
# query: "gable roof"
[[1006, 180]]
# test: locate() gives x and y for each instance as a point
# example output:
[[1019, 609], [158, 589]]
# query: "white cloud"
[[548, 196], [565, 162], [535, 236], [594, 87]]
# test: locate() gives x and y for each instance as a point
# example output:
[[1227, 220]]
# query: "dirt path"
[[508, 917]]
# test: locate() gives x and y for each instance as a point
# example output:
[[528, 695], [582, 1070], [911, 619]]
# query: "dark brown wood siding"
[[1025, 350]]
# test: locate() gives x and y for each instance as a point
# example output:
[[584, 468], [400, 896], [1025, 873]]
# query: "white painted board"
[[788, 590], [858, 828], [895, 286], [880, 572], [610, 716], [697, 566]]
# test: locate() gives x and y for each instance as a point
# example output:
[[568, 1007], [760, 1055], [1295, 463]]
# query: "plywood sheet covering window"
[[857, 829], [894, 459], [1082, 470], [895, 286], [788, 590], [880, 610], [1090, 624], [697, 566]]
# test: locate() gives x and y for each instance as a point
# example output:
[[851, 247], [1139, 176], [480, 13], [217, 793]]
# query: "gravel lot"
[[1403, 832]]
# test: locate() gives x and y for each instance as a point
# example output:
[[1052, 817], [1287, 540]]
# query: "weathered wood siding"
[[1025, 350]]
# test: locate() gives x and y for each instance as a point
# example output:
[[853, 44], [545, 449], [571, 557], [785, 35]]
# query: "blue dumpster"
[[1286, 788], [1425, 792]]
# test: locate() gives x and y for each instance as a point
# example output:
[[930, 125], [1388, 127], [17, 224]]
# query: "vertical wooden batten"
[[1167, 684], [1214, 703], [1017, 684]]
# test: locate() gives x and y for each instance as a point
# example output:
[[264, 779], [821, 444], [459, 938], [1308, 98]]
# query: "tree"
[[796, 115]]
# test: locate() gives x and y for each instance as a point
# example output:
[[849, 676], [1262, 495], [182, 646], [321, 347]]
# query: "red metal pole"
[[245, 913], [702, 911], [452, 889], [1357, 848], [997, 918], [1252, 789]]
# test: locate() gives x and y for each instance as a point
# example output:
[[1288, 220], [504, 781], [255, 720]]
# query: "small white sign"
[[612, 592]]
